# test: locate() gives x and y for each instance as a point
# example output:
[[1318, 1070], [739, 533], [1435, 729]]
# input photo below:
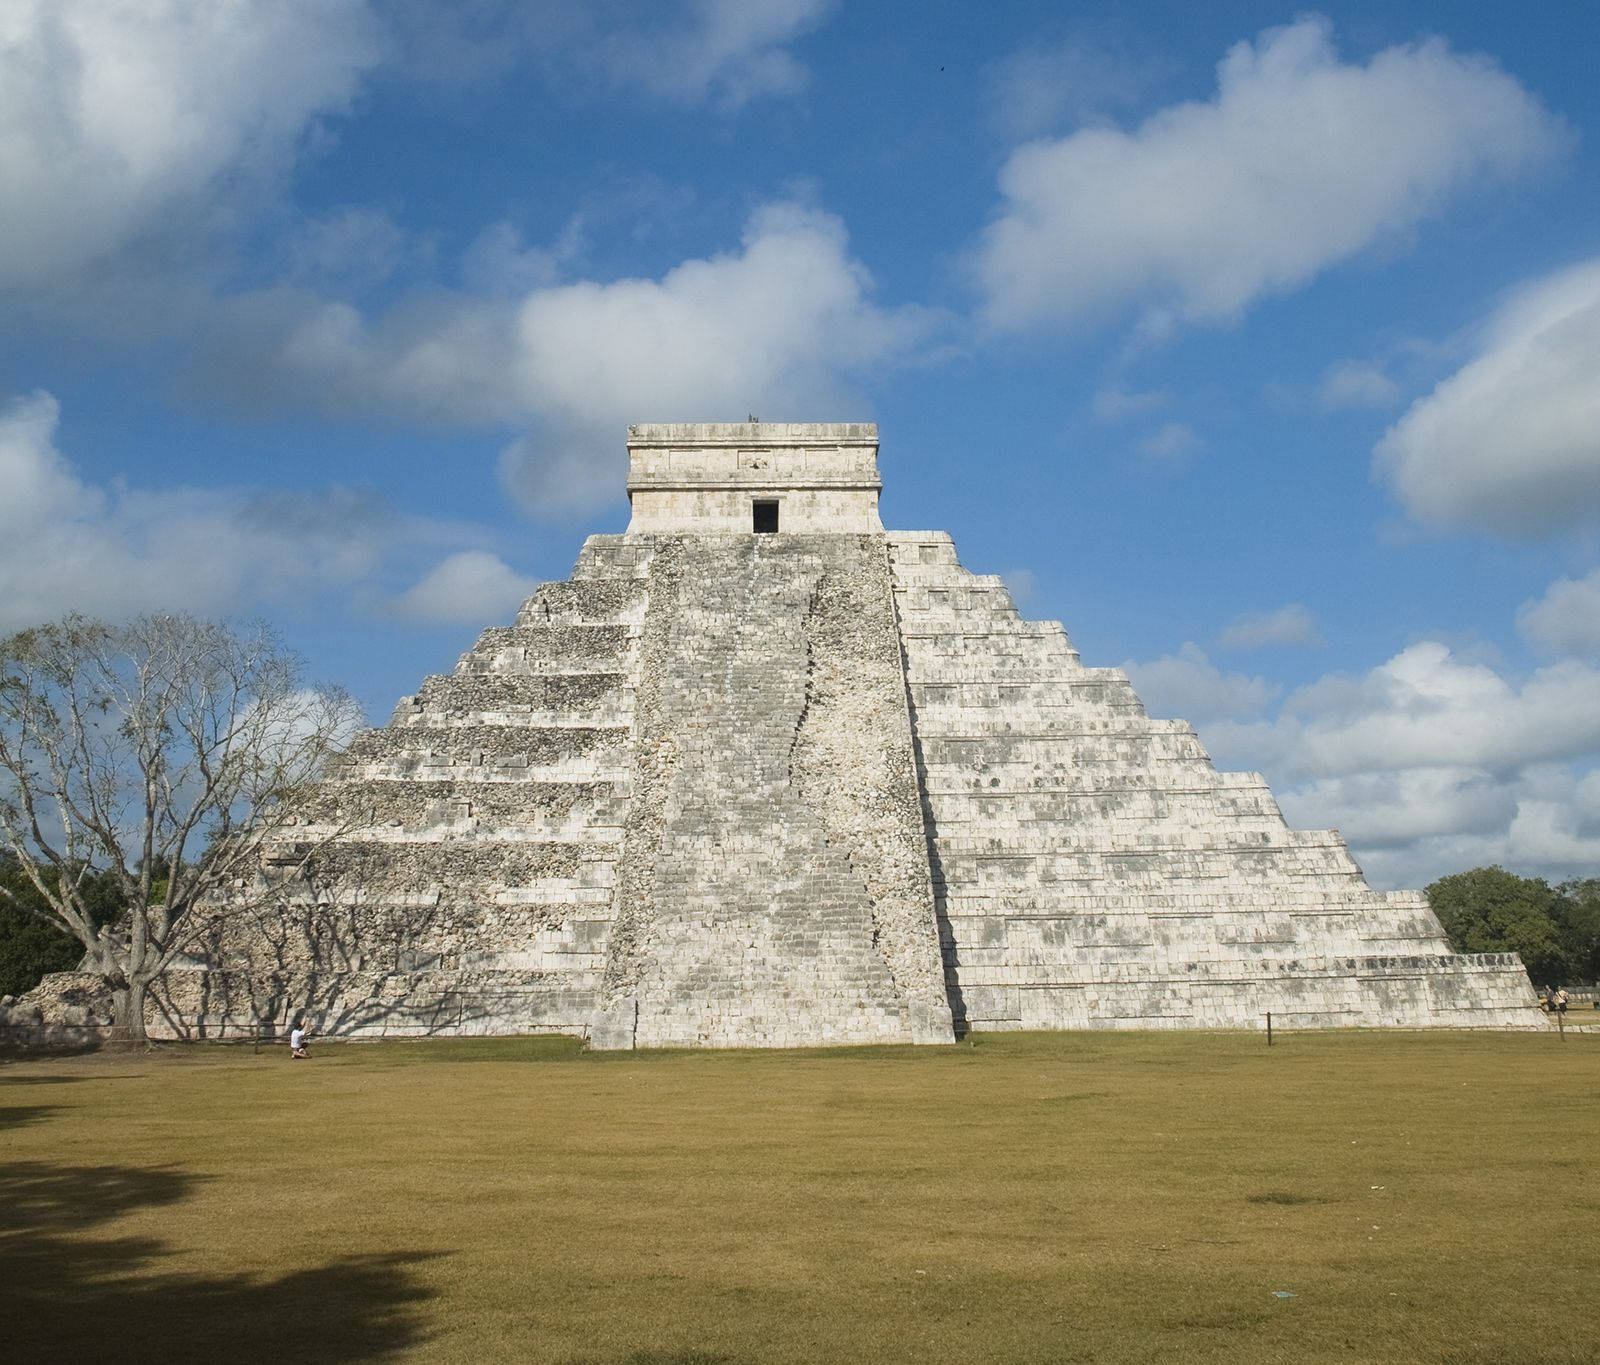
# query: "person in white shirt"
[[297, 1040]]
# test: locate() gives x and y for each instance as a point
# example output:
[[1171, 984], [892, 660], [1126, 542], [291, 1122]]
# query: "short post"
[[1269, 1028]]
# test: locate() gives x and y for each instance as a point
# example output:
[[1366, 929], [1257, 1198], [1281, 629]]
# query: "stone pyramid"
[[761, 773]]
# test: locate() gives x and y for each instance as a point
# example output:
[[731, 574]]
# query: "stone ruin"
[[761, 773]]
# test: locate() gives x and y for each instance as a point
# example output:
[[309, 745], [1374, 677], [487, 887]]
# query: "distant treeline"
[[1556, 929]]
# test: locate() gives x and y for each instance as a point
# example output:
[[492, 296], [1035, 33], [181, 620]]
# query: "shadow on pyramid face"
[[69, 1294]]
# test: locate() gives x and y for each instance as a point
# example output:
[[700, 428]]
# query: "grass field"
[[1060, 1197]]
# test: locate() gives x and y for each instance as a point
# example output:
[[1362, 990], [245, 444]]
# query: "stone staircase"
[[762, 929]]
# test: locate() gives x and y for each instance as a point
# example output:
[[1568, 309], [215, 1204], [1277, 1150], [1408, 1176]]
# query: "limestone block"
[[612, 1027]]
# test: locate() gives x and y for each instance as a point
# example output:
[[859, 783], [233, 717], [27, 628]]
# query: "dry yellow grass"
[[1030, 1198]]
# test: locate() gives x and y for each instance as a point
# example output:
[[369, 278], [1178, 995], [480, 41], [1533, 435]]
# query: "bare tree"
[[166, 752]]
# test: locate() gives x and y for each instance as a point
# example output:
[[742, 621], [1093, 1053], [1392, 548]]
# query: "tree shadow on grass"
[[66, 1295], [15, 1115], [22, 1046], [31, 1079]]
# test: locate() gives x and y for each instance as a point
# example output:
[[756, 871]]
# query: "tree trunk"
[[127, 1012]]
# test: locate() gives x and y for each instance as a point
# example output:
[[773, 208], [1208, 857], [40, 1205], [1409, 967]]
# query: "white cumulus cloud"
[[1356, 384], [1299, 160], [471, 586], [1189, 685], [1044, 85], [728, 51], [1432, 764], [1409, 827], [1566, 620], [1428, 764], [1510, 443], [121, 119], [781, 319], [780, 327], [1426, 706], [1392, 810], [1287, 625], [133, 130], [67, 544]]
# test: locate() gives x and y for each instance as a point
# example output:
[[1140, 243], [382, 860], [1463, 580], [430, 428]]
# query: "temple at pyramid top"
[[689, 478]]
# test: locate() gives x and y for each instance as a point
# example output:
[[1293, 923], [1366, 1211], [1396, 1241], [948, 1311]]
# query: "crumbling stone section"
[[1093, 870], [762, 930], [853, 760], [66, 1010], [657, 755]]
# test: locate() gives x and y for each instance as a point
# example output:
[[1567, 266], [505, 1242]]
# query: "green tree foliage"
[[30, 945], [29, 948], [1579, 914], [1555, 930]]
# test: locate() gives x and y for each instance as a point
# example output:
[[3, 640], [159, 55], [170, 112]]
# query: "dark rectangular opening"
[[764, 517]]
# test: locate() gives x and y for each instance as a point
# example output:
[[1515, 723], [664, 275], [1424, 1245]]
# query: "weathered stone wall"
[[776, 887], [657, 757], [66, 1009], [854, 763], [1093, 869]]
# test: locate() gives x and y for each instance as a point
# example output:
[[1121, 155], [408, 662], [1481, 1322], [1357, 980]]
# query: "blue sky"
[[1257, 345]]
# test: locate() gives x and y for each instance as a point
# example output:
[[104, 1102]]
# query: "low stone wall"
[[66, 1009]]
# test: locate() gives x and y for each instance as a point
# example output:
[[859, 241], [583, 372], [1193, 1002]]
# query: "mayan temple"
[[761, 773]]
